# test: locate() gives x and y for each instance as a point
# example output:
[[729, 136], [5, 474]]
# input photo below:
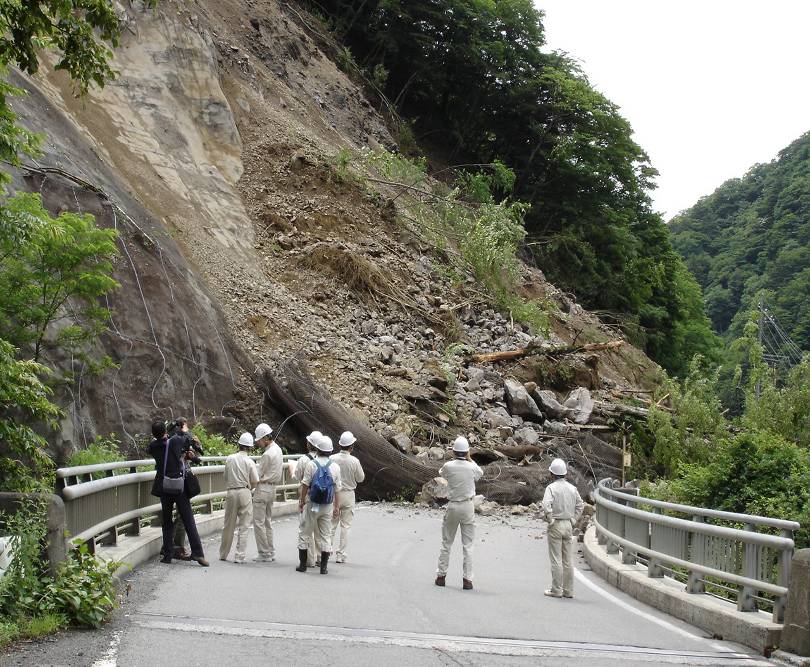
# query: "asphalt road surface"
[[381, 607]]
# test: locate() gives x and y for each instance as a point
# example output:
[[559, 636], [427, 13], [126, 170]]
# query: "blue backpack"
[[322, 489]]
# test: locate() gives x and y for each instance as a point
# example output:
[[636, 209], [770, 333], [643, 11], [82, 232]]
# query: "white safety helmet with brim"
[[313, 438], [461, 445], [262, 431], [324, 444], [246, 441], [347, 439], [558, 467]]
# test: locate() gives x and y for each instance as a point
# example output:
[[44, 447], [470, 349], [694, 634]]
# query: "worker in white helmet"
[[351, 474], [313, 559], [319, 500], [461, 474], [271, 471], [562, 506], [240, 478]]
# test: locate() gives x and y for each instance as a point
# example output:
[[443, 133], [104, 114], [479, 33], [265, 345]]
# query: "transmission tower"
[[779, 351]]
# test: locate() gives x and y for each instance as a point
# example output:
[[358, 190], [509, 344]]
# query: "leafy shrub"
[[101, 450], [82, 592], [212, 444]]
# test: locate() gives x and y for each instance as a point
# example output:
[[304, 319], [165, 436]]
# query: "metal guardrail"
[[750, 563], [98, 511]]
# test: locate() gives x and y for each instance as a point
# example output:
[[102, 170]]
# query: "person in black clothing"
[[189, 443], [175, 464]]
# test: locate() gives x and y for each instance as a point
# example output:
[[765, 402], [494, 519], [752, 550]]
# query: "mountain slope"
[[753, 234], [243, 245]]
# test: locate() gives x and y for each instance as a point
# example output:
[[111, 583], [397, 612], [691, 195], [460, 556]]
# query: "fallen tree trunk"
[[389, 473], [531, 350]]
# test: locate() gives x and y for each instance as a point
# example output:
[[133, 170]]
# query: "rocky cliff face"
[[240, 247]]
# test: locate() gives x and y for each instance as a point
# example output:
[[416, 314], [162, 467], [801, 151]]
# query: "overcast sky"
[[711, 87]]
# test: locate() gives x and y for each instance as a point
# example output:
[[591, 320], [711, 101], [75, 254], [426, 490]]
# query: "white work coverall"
[[312, 557], [461, 476], [271, 471], [318, 518], [240, 477], [351, 474], [562, 506]]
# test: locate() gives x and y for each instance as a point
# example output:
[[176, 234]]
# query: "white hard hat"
[[347, 439], [460, 444], [313, 438], [324, 444], [558, 467], [246, 440], [262, 431]]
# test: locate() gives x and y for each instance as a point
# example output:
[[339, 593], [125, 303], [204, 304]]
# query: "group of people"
[[326, 502], [327, 498], [562, 507]]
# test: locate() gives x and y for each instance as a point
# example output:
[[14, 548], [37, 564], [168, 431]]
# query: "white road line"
[[110, 657], [653, 619], [449, 643]]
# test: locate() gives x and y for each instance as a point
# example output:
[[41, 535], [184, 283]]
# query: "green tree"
[[65, 259], [24, 399]]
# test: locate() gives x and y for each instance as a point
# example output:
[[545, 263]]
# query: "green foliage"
[[213, 445], [65, 259], [753, 234], [757, 463], [24, 399], [472, 79], [101, 450], [82, 592]]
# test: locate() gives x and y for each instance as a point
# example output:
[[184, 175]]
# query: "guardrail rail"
[[747, 562], [106, 500]]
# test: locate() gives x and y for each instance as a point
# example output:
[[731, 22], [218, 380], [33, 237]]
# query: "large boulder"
[[519, 403], [496, 418], [527, 436], [547, 401], [434, 492], [580, 403]]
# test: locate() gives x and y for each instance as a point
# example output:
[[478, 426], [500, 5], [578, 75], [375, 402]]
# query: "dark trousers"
[[167, 503]]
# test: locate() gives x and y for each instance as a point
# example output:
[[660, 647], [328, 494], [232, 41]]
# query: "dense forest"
[[475, 85], [753, 234]]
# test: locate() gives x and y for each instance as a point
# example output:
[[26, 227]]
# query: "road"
[[382, 607]]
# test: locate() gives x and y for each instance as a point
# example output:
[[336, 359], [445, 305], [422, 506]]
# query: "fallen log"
[[538, 350]]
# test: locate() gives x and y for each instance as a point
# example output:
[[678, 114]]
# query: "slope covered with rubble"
[[245, 244]]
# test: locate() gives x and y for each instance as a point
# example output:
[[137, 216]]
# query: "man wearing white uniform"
[[300, 466], [270, 468], [562, 506], [240, 477], [461, 474], [320, 497], [351, 474]]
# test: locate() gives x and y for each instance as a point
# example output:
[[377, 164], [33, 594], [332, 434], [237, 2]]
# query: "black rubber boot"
[[324, 561], [302, 560]]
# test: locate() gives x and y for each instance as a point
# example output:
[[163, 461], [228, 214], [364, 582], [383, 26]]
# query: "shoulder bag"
[[172, 486]]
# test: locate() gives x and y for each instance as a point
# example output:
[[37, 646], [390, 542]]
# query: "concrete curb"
[[138, 549], [719, 618]]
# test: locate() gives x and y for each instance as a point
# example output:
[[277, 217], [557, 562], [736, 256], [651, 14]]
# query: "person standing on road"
[[270, 469], [351, 474], [313, 559], [170, 461], [241, 477], [562, 506], [461, 474], [319, 500]]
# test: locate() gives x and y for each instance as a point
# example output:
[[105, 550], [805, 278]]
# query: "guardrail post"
[[796, 633], [654, 570], [751, 555], [783, 578], [697, 554]]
